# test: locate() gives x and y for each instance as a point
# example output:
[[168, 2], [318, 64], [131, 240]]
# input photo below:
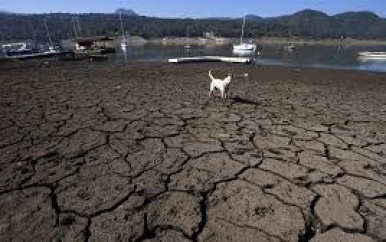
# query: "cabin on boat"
[[12, 49], [102, 43]]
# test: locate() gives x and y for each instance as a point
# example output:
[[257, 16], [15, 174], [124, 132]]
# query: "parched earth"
[[137, 152]]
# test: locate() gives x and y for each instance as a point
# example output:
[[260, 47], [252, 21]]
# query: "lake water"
[[318, 56]]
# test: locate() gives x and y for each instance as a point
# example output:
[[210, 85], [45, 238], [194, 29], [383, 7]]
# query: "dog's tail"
[[210, 74]]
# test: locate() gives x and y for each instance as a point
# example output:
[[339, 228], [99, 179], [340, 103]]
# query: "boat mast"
[[122, 28], [74, 27], [78, 23], [48, 32], [242, 30]]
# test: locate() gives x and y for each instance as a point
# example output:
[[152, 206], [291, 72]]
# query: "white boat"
[[124, 45], [244, 46], [243, 52], [372, 55]]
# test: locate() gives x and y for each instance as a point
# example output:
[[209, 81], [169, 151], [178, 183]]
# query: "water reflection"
[[341, 57]]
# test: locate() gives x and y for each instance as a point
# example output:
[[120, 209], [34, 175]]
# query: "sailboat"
[[243, 46], [124, 43], [30, 50], [51, 47], [187, 47]]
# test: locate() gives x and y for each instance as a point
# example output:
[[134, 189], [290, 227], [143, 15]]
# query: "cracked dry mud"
[[137, 152]]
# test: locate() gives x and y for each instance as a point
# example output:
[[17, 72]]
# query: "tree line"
[[304, 24]]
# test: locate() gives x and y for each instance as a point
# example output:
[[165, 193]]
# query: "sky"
[[194, 8]]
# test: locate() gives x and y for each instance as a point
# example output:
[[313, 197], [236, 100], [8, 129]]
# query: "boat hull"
[[373, 55], [244, 47], [34, 55]]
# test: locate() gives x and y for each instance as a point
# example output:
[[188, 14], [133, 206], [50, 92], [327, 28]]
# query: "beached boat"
[[244, 46], [373, 55]]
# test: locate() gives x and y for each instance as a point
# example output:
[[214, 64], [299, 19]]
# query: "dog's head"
[[228, 78]]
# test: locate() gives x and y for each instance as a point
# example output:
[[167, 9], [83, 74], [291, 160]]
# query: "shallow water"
[[318, 56]]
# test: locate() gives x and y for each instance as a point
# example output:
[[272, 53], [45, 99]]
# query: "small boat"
[[244, 46], [28, 50], [290, 48], [372, 55]]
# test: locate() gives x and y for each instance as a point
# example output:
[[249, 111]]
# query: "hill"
[[307, 23], [127, 12]]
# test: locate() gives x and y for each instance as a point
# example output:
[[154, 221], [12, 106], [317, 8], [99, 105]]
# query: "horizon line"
[[202, 17]]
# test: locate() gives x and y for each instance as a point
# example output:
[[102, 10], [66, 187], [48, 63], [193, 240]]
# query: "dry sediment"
[[137, 152]]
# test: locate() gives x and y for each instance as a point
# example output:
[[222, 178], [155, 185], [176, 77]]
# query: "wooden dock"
[[212, 59]]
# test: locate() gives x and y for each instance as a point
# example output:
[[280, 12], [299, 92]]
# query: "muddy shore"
[[137, 152]]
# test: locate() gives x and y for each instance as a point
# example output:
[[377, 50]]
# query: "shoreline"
[[178, 41], [267, 41]]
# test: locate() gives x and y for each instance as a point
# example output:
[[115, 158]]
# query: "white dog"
[[221, 85]]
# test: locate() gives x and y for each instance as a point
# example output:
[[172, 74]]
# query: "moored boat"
[[28, 50], [372, 55], [244, 46]]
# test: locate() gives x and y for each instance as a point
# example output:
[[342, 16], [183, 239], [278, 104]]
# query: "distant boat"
[[187, 47], [290, 48], [373, 55], [244, 46]]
